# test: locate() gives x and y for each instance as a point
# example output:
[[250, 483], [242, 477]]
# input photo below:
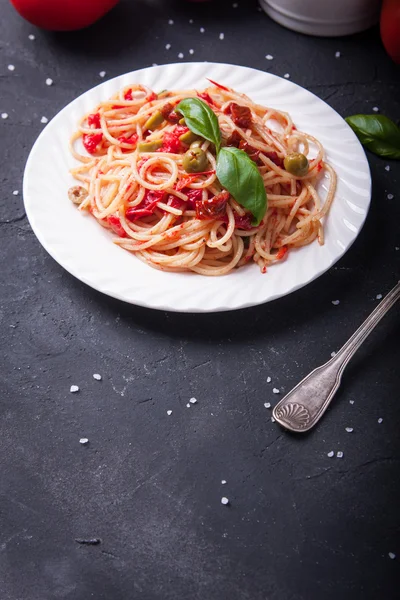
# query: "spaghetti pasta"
[[134, 182]]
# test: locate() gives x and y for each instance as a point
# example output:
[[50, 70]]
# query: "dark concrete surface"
[[300, 525]]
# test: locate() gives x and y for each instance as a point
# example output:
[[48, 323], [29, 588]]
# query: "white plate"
[[85, 249]]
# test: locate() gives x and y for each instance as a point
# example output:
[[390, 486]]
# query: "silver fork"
[[303, 407]]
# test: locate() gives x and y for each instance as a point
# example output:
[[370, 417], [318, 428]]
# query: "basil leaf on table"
[[201, 119], [377, 133], [241, 177]]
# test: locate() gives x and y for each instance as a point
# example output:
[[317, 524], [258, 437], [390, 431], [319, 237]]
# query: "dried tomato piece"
[[234, 139], [275, 158], [243, 222], [115, 224], [147, 206], [94, 121], [213, 208], [253, 153], [241, 115], [128, 95], [91, 141], [151, 97]]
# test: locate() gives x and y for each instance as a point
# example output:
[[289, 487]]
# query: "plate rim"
[[167, 307]]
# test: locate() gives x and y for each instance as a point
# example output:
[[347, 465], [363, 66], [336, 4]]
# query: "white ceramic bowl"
[[324, 17]]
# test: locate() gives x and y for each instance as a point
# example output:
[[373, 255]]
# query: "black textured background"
[[300, 525]]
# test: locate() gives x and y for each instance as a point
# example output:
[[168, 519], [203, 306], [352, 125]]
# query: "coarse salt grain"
[[191, 51], [202, 30], [267, 404], [387, 168], [337, 54], [397, 248], [167, 46], [11, 68], [224, 500], [102, 74], [390, 196], [375, 109], [331, 453], [333, 354], [84, 441], [349, 429], [4, 115], [351, 401], [221, 36], [188, 405], [191, 21], [15, 193], [276, 391], [380, 420], [379, 296], [269, 57], [180, 55], [335, 302], [74, 388], [44, 120], [97, 376], [272, 420], [193, 400], [31, 37], [223, 481], [170, 22], [269, 379], [169, 412], [339, 454], [235, 5], [286, 75], [391, 555], [49, 81]]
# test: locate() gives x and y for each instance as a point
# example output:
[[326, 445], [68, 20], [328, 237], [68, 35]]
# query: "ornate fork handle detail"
[[303, 407]]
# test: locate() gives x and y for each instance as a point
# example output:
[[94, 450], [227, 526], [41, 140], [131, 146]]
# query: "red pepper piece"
[[206, 97], [94, 121], [194, 196], [91, 141], [152, 97], [147, 206], [115, 224], [176, 202], [219, 85], [282, 252], [128, 95], [129, 140], [171, 144]]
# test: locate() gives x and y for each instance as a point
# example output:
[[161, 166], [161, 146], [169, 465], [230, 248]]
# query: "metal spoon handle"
[[303, 407]]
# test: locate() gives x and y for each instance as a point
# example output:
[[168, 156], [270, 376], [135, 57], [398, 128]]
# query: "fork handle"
[[305, 404]]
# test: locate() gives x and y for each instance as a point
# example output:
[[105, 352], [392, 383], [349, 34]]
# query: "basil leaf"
[[201, 120], [377, 133], [241, 177]]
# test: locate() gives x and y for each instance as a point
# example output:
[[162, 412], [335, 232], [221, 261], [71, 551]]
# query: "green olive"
[[182, 121], [154, 121], [296, 164], [195, 160], [188, 138], [150, 146], [197, 143]]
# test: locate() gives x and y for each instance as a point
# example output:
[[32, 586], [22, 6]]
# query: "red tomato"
[[390, 28], [63, 15]]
